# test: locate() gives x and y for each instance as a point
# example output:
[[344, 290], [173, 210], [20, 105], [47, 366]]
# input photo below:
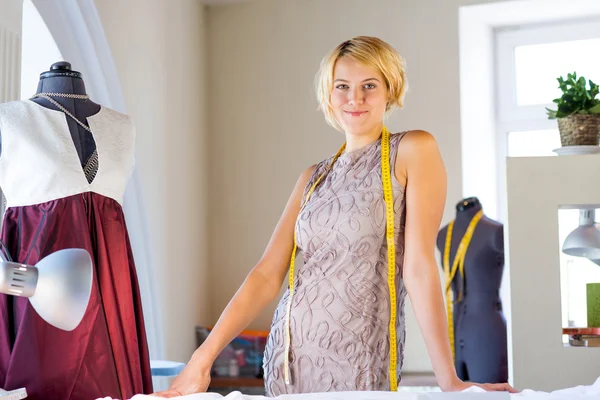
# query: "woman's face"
[[359, 96]]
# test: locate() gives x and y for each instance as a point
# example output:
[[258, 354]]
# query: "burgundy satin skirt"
[[107, 354]]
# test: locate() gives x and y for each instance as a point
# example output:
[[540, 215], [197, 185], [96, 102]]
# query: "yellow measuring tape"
[[458, 263], [389, 207], [389, 202]]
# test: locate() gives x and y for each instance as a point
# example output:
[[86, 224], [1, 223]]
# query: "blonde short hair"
[[369, 51]]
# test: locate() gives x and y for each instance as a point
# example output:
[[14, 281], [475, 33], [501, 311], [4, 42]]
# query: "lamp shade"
[[584, 241], [58, 286]]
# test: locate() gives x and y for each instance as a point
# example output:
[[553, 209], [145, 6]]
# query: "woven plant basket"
[[579, 130]]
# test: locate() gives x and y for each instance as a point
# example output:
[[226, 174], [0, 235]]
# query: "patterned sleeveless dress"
[[340, 309]]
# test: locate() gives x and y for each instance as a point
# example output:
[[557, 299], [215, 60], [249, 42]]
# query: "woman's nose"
[[355, 96]]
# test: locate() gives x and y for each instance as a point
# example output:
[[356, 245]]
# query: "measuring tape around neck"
[[458, 263], [389, 202]]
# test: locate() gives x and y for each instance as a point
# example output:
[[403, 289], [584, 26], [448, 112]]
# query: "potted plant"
[[578, 112]]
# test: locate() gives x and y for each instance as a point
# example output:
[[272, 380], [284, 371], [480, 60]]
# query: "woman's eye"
[[341, 87], [369, 86]]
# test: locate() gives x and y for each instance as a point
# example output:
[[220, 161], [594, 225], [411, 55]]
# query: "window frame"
[[512, 117]]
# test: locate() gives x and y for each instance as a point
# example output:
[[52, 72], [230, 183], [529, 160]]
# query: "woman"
[[331, 330]]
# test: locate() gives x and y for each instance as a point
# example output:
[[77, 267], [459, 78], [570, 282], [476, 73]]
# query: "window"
[[538, 64], [39, 50], [539, 142], [528, 61]]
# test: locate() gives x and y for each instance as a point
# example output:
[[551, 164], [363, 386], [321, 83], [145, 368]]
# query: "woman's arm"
[[260, 288], [420, 165]]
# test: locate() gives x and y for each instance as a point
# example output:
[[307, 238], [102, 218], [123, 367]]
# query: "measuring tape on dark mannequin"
[[389, 203], [457, 264]]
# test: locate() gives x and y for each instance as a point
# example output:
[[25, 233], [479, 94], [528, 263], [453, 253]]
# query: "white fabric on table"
[[589, 392]]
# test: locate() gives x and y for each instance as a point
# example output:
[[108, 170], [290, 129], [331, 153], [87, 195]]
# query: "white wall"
[[159, 53], [264, 127]]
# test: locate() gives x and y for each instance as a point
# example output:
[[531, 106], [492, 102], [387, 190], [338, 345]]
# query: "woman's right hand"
[[194, 378]]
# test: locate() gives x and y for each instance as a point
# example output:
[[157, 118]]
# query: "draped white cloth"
[[78, 32]]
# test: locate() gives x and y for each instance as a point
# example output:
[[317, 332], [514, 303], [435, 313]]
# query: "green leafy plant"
[[576, 97]]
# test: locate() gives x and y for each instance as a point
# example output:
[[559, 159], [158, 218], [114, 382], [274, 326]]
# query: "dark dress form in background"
[[479, 324]]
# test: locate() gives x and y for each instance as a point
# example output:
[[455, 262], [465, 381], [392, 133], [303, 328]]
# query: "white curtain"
[[78, 32], [10, 60]]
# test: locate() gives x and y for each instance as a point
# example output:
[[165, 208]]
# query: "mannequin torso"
[[61, 79], [480, 328]]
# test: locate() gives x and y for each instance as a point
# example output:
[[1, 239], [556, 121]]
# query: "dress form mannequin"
[[61, 79], [479, 324], [54, 201]]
